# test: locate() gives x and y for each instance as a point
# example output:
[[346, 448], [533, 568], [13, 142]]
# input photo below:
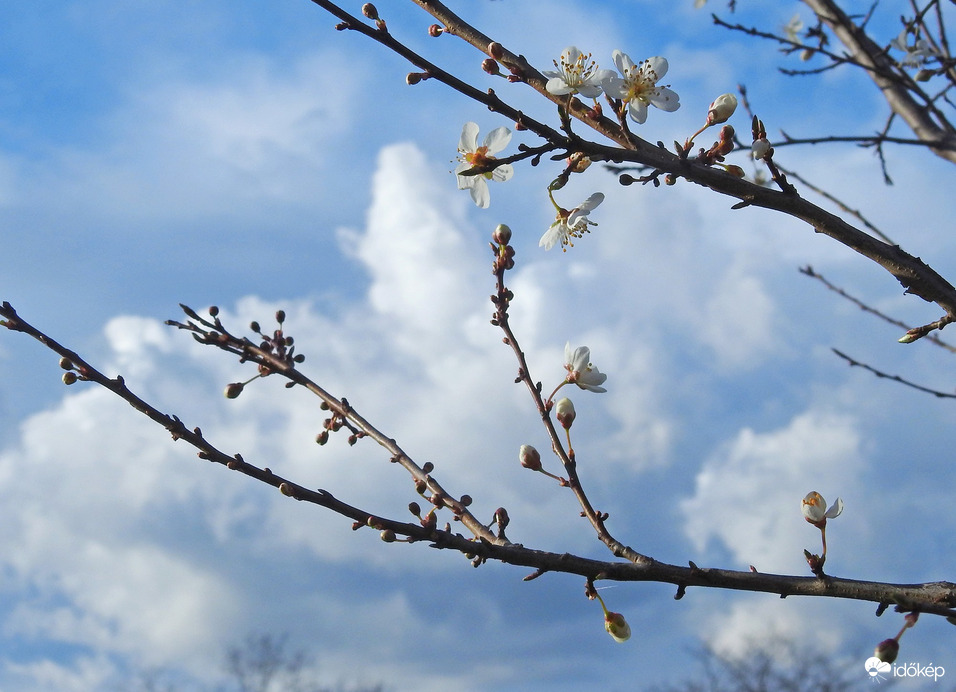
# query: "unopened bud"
[[721, 109], [496, 50], [280, 316], [322, 437], [388, 536], [924, 75], [66, 363], [69, 377], [564, 411], [617, 627], [736, 171], [370, 11], [286, 489], [501, 234], [760, 148], [887, 650], [413, 78], [435, 31], [529, 457], [490, 65], [234, 389]]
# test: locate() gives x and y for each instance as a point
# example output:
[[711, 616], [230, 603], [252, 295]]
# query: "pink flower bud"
[[529, 457], [564, 411]]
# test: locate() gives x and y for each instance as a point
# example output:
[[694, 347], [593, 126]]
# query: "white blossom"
[[638, 86], [576, 74], [570, 224], [471, 155], [581, 371]]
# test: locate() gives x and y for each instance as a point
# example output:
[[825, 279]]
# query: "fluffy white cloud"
[[748, 494]]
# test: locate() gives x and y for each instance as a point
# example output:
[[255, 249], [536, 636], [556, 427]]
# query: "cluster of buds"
[[719, 112], [73, 373], [278, 344]]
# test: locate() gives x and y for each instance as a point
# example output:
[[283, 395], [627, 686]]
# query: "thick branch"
[[935, 597], [936, 132]]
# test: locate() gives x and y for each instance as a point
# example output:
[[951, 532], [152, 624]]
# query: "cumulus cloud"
[[747, 495]]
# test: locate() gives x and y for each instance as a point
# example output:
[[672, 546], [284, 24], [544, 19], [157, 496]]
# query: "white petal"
[[835, 509], [638, 111], [666, 100], [480, 193], [659, 65], [552, 236], [592, 202], [502, 173], [622, 61], [497, 139], [469, 138], [558, 87]]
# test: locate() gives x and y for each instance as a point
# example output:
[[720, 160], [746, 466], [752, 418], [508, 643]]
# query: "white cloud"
[[748, 494]]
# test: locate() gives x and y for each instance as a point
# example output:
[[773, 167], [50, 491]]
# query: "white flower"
[[814, 509], [793, 28], [916, 55], [581, 371], [576, 74], [471, 155], [570, 224], [639, 86]]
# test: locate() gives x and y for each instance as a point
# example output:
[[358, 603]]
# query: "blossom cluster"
[[636, 85]]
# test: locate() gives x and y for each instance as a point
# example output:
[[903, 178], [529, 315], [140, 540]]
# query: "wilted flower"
[[638, 86], [580, 371], [576, 74], [570, 224], [471, 155], [815, 509]]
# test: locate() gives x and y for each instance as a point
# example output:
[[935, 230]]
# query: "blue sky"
[[247, 155]]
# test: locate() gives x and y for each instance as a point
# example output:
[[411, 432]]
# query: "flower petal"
[[479, 192], [497, 139], [469, 138], [502, 173], [835, 509]]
